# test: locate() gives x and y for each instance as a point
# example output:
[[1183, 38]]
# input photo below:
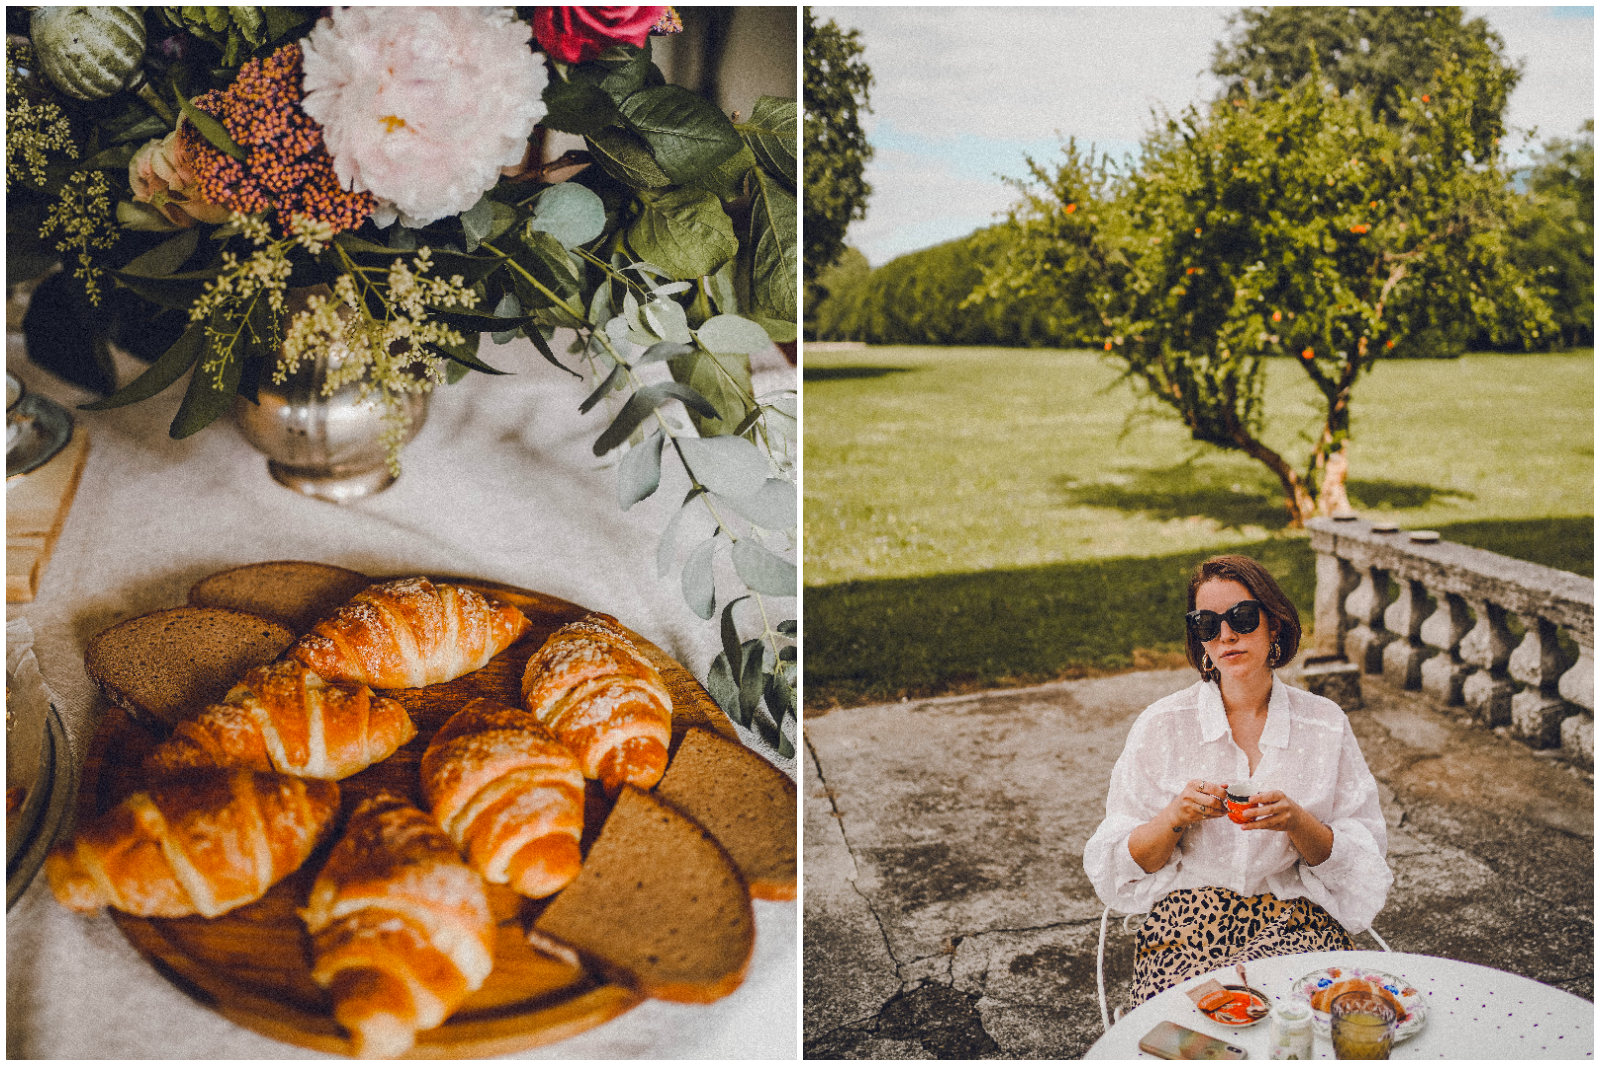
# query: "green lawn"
[[991, 516]]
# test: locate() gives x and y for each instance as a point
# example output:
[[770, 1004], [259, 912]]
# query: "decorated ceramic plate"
[[1236, 1006], [1317, 990]]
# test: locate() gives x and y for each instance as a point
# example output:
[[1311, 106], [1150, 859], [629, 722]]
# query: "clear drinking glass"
[[1363, 1026]]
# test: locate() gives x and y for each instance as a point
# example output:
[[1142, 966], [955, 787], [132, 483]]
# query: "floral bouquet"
[[190, 167]]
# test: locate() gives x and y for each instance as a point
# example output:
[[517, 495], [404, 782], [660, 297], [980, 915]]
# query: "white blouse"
[[1307, 750]]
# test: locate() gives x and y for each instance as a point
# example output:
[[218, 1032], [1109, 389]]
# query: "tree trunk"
[[1298, 500], [1332, 501]]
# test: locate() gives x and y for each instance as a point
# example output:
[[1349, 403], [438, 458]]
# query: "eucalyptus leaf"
[[477, 221], [728, 466], [160, 374], [723, 292], [763, 570], [667, 545], [699, 586], [722, 379], [602, 390], [668, 321], [542, 343], [721, 687], [165, 257], [657, 353], [685, 232], [640, 406], [730, 333], [753, 653], [570, 213], [730, 636], [508, 307], [639, 473], [789, 627], [774, 506], [687, 134]]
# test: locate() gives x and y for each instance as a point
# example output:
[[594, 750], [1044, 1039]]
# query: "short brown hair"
[[1264, 589]]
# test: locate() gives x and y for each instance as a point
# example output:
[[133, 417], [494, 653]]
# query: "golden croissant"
[[205, 843], [284, 717], [409, 633], [401, 929], [509, 794], [603, 699]]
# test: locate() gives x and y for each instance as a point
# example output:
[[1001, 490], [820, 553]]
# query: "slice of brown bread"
[[167, 665], [658, 904], [744, 801], [296, 594]]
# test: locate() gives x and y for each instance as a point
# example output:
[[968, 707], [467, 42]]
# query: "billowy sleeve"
[[1353, 881], [1133, 799]]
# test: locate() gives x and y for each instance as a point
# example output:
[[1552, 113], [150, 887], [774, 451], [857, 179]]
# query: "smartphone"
[[1172, 1041]]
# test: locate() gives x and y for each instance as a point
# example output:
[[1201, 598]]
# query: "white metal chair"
[[1100, 963]]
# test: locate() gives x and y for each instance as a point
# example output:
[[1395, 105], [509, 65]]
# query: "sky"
[[961, 96]]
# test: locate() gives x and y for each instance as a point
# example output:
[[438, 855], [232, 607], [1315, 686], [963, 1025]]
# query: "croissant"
[[284, 717], [409, 633], [509, 794], [603, 699], [203, 844], [401, 929]]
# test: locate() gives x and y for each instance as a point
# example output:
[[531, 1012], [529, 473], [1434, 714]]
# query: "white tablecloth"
[[500, 484], [1474, 1012]]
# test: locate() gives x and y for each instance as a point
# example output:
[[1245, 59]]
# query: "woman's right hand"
[[1198, 801]]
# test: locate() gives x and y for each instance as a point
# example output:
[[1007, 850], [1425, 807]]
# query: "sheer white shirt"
[[1307, 750]]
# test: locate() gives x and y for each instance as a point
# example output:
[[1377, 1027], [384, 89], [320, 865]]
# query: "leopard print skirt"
[[1192, 931]]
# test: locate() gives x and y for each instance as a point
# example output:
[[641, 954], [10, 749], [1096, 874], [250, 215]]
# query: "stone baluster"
[[1336, 579], [1364, 643], [1487, 691], [1444, 674], [1537, 711], [1577, 687], [1403, 656]]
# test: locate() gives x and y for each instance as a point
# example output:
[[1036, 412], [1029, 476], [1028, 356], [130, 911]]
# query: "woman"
[[1307, 868]]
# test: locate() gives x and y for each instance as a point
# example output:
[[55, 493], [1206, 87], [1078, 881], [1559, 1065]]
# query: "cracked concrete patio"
[[947, 914]]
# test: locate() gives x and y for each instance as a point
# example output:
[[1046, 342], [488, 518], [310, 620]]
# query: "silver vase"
[[326, 446]]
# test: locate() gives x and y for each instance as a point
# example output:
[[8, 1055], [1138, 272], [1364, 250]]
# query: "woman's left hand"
[[1276, 811]]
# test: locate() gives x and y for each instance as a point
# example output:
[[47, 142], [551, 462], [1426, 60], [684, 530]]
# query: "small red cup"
[[1238, 806]]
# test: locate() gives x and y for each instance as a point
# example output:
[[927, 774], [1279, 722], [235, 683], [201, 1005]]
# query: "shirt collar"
[[1214, 716]]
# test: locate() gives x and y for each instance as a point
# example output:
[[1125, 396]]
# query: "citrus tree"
[[1297, 225]]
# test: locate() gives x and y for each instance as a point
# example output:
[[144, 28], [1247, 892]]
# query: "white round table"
[[1474, 1012]]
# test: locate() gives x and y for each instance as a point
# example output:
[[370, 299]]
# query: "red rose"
[[576, 34]]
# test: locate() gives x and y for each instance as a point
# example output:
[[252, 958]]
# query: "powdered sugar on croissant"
[[409, 633], [602, 698]]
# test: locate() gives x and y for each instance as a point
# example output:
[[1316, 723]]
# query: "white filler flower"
[[422, 106]]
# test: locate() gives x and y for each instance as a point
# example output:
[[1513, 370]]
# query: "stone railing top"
[[1472, 573]]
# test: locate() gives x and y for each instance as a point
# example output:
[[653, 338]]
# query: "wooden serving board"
[[253, 966]]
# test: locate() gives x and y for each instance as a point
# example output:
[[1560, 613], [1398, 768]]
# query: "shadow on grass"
[[852, 373], [1231, 499], [874, 641]]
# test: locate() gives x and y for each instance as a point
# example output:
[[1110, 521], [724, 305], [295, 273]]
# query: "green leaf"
[[602, 390], [166, 257], [477, 221], [467, 354], [778, 330], [685, 232], [724, 380], [667, 321], [209, 128], [699, 586], [762, 570], [789, 627], [570, 213], [730, 637], [771, 134], [781, 704], [774, 506], [728, 466], [774, 266], [657, 353], [542, 343], [169, 367], [688, 135], [730, 334], [114, 158], [753, 654], [721, 687], [625, 156], [579, 107], [639, 473], [727, 179], [209, 396], [640, 406], [669, 536]]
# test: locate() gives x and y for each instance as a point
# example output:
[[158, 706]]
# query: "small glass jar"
[[1290, 1031]]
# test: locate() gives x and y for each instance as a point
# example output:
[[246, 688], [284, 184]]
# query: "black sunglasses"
[[1242, 617]]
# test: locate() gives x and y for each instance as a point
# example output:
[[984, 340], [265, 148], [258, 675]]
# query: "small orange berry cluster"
[[286, 168]]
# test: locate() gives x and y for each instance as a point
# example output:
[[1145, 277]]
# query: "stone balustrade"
[[1438, 617]]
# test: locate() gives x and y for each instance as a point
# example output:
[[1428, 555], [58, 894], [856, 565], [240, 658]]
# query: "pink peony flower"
[[575, 34], [162, 175], [422, 106]]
